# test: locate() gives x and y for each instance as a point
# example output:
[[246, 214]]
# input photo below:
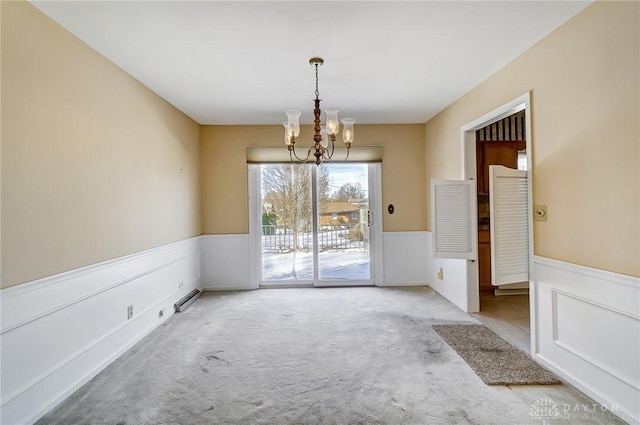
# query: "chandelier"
[[324, 137]]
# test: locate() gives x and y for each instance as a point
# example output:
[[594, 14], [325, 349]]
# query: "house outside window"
[[338, 213]]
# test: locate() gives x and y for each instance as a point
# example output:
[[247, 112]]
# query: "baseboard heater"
[[186, 301]]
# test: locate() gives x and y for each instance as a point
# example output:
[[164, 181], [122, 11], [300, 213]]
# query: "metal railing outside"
[[281, 239]]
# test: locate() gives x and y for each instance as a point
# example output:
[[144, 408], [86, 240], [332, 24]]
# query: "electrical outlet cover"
[[540, 212]]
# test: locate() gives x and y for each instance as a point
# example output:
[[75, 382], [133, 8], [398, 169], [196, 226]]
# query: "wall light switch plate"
[[540, 212]]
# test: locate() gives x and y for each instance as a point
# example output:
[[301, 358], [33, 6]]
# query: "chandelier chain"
[[317, 92]]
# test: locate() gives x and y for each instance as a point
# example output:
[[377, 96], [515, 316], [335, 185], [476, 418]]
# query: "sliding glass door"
[[314, 225], [344, 254], [287, 223]]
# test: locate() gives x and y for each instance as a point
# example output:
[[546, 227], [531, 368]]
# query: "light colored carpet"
[[494, 360], [297, 356]]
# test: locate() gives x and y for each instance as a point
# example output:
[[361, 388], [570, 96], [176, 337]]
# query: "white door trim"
[[468, 141], [375, 231], [255, 226]]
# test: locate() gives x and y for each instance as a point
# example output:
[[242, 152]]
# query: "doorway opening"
[[315, 224], [505, 307], [500, 138], [501, 143]]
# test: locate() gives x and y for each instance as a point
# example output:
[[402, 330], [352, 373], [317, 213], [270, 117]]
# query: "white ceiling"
[[247, 62]]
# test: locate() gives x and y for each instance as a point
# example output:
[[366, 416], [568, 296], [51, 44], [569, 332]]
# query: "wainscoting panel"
[[452, 286], [588, 331], [59, 332], [406, 258], [595, 325], [224, 261]]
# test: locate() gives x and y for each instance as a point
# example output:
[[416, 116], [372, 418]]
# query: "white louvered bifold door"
[[509, 209], [454, 222]]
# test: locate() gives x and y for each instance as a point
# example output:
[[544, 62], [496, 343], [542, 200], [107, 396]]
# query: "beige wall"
[[94, 165], [0, 149], [224, 172], [584, 79]]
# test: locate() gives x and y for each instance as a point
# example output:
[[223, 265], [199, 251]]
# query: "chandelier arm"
[[292, 153], [333, 147], [295, 160], [330, 157]]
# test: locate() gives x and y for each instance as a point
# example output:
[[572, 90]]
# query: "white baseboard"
[[506, 292], [588, 331], [405, 258], [520, 288], [60, 331], [225, 262]]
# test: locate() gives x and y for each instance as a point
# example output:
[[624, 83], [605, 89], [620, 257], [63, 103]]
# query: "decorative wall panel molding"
[[588, 331]]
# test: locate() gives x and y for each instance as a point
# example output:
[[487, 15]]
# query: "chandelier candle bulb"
[[293, 123], [332, 121], [287, 138], [347, 131], [325, 136]]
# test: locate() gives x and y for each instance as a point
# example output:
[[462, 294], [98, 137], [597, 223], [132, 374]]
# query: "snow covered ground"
[[342, 265]]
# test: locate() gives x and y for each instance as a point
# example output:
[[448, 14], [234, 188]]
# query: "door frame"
[[375, 232], [469, 165]]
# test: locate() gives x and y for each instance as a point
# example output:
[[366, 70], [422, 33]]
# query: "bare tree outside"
[[348, 192], [287, 189], [324, 191]]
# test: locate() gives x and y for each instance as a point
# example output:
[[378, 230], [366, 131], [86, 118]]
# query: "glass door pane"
[[287, 223], [343, 224]]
